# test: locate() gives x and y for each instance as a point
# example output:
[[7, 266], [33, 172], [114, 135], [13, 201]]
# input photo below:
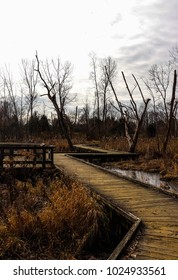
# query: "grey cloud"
[[117, 19], [158, 16], [118, 36], [137, 36], [157, 35], [139, 52], [137, 59]]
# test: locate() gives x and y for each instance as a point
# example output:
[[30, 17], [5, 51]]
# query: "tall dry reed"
[[52, 219]]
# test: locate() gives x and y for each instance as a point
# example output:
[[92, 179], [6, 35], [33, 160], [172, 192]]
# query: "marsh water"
[[152, 179]]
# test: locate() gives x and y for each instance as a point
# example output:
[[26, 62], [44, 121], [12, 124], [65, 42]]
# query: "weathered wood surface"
[[158, 211]]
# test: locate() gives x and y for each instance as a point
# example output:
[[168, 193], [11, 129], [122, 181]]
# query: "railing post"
[[34, 159], [52, 155], [1, 156], [44, 157], [11, 156]]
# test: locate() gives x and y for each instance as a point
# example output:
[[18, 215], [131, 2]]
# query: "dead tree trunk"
[[172, 109], [138, 128]]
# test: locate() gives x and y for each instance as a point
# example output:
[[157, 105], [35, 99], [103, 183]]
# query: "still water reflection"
[[148, 178]]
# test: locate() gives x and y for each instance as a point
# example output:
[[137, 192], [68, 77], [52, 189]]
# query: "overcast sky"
[[138, 33]]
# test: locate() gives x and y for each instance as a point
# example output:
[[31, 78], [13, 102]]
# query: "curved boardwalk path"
[[158, 211]]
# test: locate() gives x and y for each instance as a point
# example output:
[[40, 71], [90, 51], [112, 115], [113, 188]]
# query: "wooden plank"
[[157, 219], [159, 253], [155, 204], [156, 245], [170, 226], [152, 255], [162, 232], [157, 240]]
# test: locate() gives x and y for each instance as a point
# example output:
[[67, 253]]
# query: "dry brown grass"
[[144, 146], [51, 219], [151, 158], [61, 145], [114, 143]]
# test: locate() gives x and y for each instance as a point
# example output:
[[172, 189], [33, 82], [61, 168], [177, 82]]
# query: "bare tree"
[[10, 97], [56, 79], [30, 80], [85, 118], [9, 90], [101, 87], [95, 79], [173, 106], [174, 55], [111, 66], [158, 84]]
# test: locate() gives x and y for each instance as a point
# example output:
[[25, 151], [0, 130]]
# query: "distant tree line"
[[151, 109]]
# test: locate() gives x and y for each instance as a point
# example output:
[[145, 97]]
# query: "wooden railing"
[[25, 155]]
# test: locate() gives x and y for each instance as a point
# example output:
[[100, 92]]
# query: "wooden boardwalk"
[[89, 148], [158, 211]]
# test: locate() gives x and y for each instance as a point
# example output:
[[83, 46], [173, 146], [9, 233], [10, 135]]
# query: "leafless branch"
[[115, 95], [133, 103], [139, 89]]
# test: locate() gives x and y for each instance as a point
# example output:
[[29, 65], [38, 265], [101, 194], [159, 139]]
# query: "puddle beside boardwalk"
[[148, 178]]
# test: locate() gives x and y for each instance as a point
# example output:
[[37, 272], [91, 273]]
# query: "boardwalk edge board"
[[124, 242], [136, 222]]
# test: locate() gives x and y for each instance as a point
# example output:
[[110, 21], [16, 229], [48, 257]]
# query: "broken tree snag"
[[139, 118], [124, 111], [138, 128]]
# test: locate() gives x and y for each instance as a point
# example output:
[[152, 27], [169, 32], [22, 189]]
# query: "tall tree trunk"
[[62, 123], [171, 113]]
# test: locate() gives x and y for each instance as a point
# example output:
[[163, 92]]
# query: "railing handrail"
[[24, 145]]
